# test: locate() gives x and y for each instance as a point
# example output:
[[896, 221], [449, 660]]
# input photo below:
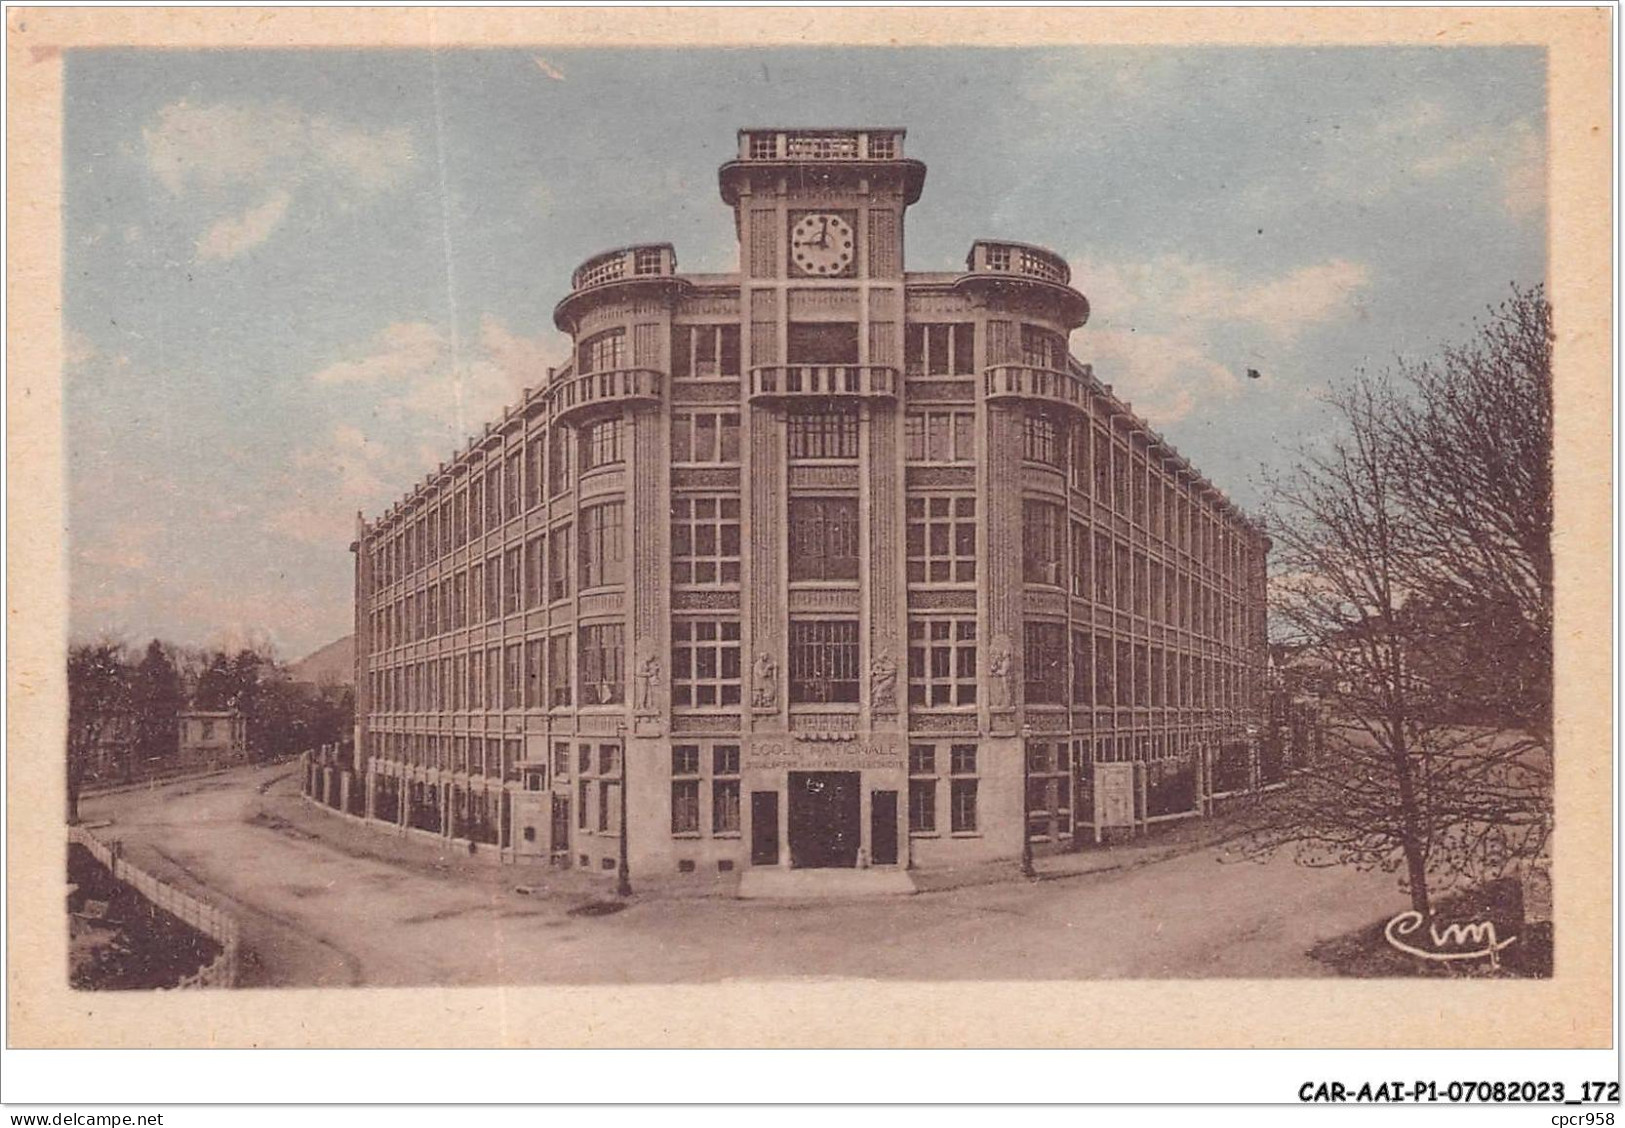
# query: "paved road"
[[325, 902]]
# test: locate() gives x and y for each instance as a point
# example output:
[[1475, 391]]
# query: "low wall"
[[206, 918]]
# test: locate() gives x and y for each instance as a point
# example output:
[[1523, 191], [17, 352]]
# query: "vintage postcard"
[[821, 529]]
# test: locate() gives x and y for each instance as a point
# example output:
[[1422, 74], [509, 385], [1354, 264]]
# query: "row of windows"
[[1133, 485], [1107, 671], [519, 578], [705, 550], [1094, 567]]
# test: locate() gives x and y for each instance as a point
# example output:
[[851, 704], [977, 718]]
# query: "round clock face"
[[822, 243]]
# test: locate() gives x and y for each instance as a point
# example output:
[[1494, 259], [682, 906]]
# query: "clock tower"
[[820, 221]]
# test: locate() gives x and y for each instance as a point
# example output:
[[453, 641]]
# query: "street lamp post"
[[623, 872], [1027, 869]]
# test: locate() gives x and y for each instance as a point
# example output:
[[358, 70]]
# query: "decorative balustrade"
[[783, 381], [1030, 274], [572, 395], [624, 272], [1021, 381], [1019, 259], [651, 260], [820, 144]]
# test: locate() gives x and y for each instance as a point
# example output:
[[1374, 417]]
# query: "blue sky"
[[296, 281]]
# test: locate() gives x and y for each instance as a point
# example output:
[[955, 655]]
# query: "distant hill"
[[333, 664]]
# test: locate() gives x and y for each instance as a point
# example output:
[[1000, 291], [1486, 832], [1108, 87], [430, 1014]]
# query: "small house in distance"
[[213, 738]]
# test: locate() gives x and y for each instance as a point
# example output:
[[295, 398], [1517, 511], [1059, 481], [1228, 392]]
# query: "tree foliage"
[[1417, 583], [98, 699]]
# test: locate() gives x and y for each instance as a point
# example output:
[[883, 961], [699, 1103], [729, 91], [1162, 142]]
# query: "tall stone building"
[[827, 563]]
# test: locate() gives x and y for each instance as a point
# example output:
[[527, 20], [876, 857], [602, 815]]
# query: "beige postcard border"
[[1571, 1010]]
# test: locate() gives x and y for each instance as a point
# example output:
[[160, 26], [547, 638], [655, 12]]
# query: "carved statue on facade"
[[648, 676], [764, 692], [883, 684], [998, 667]]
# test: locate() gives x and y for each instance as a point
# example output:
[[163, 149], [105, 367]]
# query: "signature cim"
[[1474, 940]]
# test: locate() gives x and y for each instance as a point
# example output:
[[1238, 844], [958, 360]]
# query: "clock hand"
[[823, 234]]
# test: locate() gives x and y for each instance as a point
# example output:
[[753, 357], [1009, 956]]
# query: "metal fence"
[[206, 918]]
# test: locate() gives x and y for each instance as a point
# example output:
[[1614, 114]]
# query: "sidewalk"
[[281, 809], [1157, 845]]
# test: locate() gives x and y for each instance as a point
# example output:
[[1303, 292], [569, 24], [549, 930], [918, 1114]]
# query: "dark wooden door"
[[826, 819], [764, 828], [560, 843], [883, 827]]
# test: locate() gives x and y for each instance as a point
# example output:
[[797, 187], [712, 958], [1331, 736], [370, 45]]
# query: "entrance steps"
[[823, 884]]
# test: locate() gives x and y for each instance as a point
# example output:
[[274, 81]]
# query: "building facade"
[[212, 737], [823, 563]]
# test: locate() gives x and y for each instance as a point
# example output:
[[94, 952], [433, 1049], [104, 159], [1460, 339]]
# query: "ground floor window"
[[690, 771], [927, 764], [962, 789], [1049, 789]]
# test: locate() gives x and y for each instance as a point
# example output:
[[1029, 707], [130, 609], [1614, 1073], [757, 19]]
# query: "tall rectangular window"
[[940, 436], [493, 586], [941, 539], [1044, 659], [1043, 542], [704, 351], [1041, 438], [1082, 677], [602, 560], [493, 494], [493, 679], [602, 657], [705, 540], [1105, 673], [1082, 552], [823, 538], [534, 451], [963, 786], [823, 661], [513, 479], [940, 350], [941, 661], [685, 789], [922, 788], [558, 564], [512, 575], [705, 662], [601, 443], [602, 352], [705, 438], [725, 789], [826, 434], [476, 594], [513, 682], [558, 670], [533, 674], [535, 571], [560, 462]]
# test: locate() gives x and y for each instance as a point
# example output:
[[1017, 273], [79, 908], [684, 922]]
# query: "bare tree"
[[1473, 439], [1400, 781], [98, 700]]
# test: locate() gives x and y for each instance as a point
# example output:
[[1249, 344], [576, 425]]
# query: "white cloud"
[[232, 236], [275, 154], [402, 403], [1424, 142], [1173, 333]]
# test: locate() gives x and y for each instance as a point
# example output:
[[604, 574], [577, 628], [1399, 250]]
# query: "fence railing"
[[213, 922]]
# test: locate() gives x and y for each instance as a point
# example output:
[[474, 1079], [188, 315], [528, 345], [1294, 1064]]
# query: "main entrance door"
[[825, 819]]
